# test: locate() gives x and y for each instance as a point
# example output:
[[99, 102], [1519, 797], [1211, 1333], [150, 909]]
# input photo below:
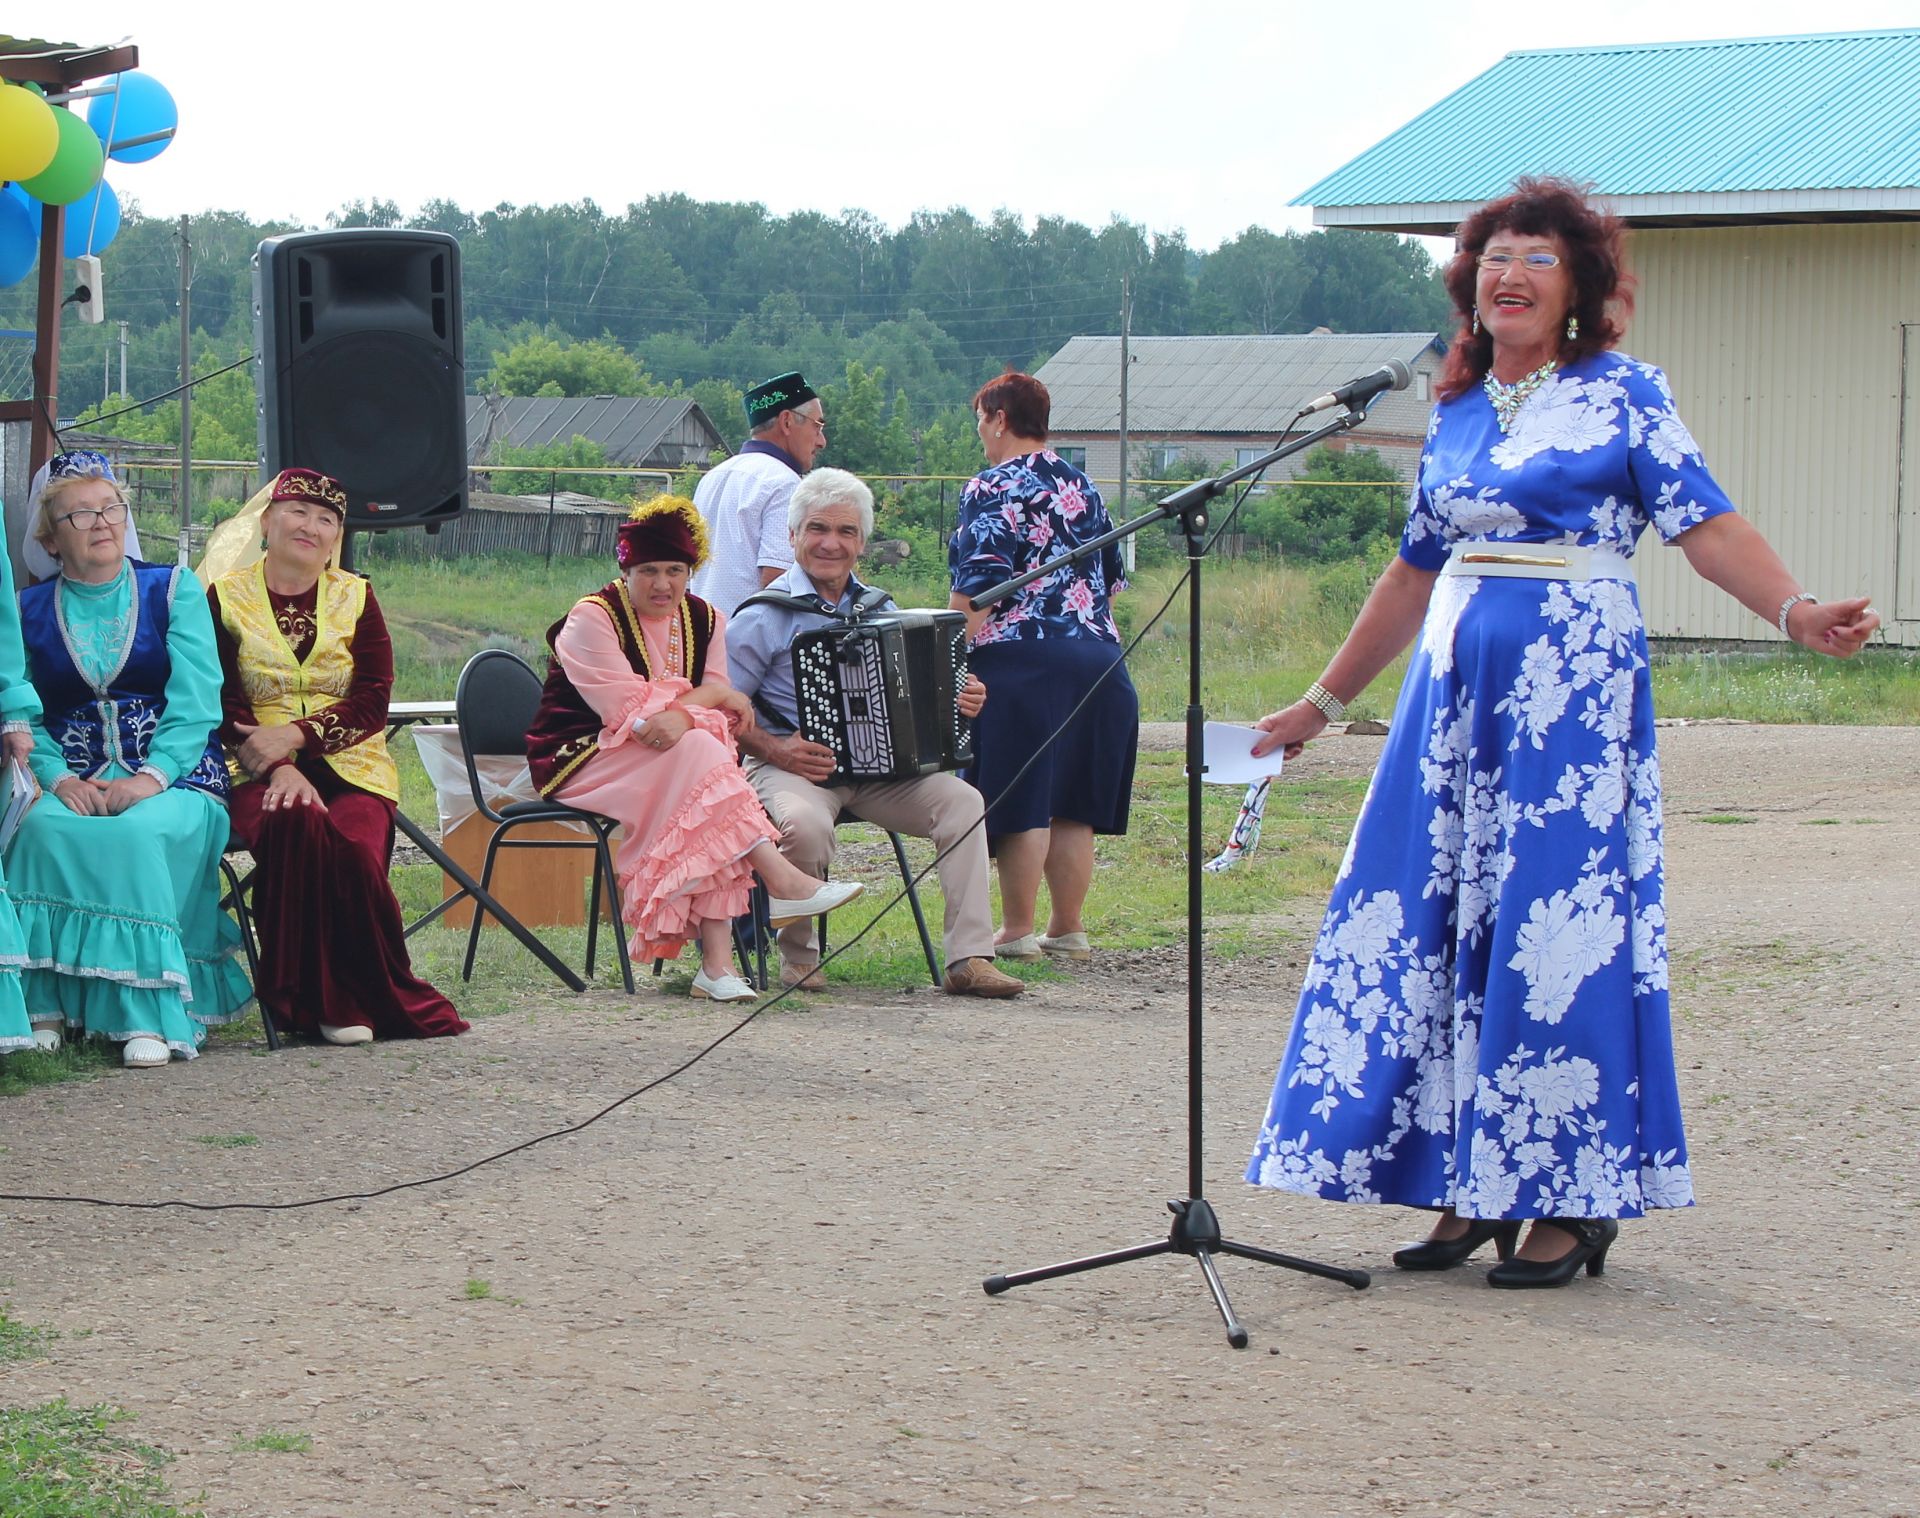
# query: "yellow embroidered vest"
[[281, 688]]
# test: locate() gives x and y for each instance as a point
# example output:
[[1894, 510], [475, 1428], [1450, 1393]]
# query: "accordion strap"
[[870, 599]]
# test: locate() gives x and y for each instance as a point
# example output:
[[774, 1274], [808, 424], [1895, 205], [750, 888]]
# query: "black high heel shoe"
[[1592, 1238], [1444, 1254]]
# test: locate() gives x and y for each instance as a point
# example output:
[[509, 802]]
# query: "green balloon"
[[76, 166]]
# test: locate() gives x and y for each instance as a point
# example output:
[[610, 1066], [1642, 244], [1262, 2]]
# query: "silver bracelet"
[[1788, 605], [1331, 706]]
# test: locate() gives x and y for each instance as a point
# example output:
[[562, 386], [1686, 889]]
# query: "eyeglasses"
[[89, 517], [1501, 262], [811, 421]]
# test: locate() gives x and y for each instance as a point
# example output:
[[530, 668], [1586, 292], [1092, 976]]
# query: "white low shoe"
[[722, 988], [46, 1037], [782, 910], [144, 1054], [346, 1035]]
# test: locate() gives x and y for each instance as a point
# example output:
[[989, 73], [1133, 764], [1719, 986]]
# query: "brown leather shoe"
[[806, 978], [978, 977]]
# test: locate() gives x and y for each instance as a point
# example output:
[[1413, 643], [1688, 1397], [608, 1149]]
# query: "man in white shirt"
[[744, 500]]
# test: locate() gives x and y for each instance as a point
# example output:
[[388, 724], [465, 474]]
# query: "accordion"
[[883, 693]]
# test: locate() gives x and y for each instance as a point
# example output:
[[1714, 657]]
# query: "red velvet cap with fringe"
[[667, 528]]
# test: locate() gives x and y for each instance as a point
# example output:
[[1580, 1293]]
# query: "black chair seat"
[[544, 810]]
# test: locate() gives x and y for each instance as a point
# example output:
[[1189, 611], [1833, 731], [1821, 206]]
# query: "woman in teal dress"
[[18, 707], [115, 871]]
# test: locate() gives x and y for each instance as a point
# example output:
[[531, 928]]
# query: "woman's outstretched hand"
[[1839, 629], [1289, 729]]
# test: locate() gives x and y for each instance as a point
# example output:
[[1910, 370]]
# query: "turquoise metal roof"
[[1835, 111]]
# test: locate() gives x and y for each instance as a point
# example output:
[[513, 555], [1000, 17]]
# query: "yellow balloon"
[[29, 135]]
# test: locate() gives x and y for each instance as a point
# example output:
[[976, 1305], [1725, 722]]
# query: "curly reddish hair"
[[1595, 240], [1024, 399]]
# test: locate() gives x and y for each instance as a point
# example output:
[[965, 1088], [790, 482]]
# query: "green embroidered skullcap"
[[783, 392]]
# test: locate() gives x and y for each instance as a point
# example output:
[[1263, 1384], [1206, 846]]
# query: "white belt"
[[1537, 561]]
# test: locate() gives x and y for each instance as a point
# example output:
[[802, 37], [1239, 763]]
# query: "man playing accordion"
[[829, 519]]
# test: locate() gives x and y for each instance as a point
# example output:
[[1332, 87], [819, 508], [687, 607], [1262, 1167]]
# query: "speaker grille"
[[370, 409]]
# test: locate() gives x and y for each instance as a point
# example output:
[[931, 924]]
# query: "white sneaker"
[[144, 1054], [722, 988], [46, 1037], [346, 1035], [782, 910]]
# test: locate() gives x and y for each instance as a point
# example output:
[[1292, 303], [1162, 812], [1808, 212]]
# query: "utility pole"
[[186, 391], [123, 358], [1126, 361]]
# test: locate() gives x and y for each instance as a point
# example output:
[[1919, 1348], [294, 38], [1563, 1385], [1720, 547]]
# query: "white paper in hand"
[[22, 791], [1227, 750]]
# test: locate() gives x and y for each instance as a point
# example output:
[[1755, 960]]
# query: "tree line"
[[697, 292]]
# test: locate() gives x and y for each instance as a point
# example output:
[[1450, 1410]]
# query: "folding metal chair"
[[494, 705]]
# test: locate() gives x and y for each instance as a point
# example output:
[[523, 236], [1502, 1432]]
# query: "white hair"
[[830, 487]]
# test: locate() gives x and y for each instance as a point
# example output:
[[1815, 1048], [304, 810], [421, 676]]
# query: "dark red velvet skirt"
[[332, 948]]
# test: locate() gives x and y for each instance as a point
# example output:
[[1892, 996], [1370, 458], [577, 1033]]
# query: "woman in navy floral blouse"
[[1041, 651]]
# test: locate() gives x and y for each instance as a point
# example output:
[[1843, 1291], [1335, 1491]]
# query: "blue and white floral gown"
[[1484, 1024]]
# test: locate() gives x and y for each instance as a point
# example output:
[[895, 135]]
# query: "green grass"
[[23, 1341], [58, 1461], [226, 1140], [1726, 819], [477, 1290], [273, 1441], [1269, 629]]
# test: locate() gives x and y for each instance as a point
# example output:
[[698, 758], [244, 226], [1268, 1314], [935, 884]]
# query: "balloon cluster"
[[51, 157]]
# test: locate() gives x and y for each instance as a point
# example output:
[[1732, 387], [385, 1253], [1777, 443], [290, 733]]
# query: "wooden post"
[[46, 337]]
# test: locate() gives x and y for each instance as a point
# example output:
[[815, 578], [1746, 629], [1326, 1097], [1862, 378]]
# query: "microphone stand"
[[1196, 1228]]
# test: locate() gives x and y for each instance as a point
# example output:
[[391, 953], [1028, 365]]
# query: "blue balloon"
[[87, 233], [144, 106], [19, 234]]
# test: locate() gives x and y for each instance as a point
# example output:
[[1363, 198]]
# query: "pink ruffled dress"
[[687, 815]]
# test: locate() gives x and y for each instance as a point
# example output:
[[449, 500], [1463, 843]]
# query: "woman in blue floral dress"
[[1041, 652], [1484, 1026]]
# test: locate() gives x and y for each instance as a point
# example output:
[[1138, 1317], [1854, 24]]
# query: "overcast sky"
[[1175, 114]]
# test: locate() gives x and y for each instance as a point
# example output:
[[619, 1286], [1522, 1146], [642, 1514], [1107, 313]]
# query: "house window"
[[1245, 456], [1164, 459], [1074, 456], [1423, 386]]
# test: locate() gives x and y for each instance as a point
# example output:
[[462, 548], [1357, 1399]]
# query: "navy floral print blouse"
[[1014, 517]]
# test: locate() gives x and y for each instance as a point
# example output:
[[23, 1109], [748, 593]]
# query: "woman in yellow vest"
[[308, 669]]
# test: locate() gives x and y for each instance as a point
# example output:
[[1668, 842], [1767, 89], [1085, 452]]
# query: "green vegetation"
[[477, 1290], [227, 1140], [22, 1341], [273, 1441], [58, 1461]]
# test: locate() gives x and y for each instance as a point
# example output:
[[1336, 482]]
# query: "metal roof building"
[[1210, 398], [1774, 187], [640, 431]]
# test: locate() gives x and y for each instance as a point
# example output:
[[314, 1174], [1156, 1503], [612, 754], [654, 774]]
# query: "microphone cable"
[[441, 1177]]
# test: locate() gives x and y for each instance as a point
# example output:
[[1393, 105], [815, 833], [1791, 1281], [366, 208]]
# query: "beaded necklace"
[[1508, 399]]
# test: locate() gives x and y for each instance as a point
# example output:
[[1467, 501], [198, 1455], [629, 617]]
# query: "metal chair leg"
[[618, 927], [913, 900], [479, 912]]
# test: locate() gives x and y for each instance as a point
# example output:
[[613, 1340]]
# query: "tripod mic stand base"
[[1196, 1232]]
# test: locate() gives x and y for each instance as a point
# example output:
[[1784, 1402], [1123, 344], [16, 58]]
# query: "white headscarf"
[[34, 557]]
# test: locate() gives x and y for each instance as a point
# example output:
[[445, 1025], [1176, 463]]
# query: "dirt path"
[[756, 1290]]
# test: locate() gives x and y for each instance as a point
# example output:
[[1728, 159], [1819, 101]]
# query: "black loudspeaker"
[[362, 369]]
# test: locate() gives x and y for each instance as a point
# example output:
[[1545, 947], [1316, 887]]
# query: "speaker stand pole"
[[1196, 1227]]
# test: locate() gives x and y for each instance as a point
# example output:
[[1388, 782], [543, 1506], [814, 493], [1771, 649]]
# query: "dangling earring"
[[1573, 326], [1476, 321]]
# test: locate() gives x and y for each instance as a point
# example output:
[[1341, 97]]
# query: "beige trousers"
[[941, 807]]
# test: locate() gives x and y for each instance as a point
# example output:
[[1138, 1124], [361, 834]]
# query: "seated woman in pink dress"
[[637, 722]]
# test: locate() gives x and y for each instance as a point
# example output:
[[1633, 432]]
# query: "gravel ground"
[[756, 1290]]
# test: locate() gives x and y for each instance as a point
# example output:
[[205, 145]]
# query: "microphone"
[[1392, 375]]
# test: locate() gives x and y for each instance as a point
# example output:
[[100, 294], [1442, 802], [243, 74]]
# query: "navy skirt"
[[1084, 775]]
